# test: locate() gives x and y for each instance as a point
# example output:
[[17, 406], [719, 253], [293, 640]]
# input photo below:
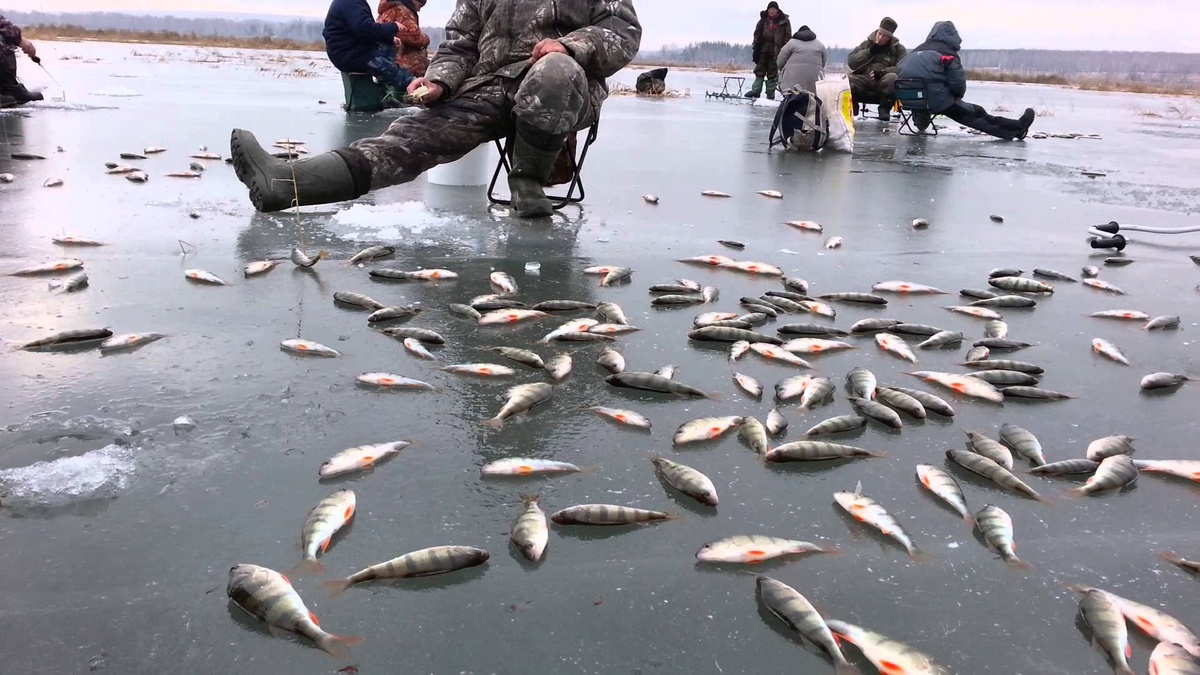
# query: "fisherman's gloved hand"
[[754, 58], [876, 75]]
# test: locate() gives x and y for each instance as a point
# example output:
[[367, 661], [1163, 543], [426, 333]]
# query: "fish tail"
[[322, 255], [969, 519], [1074, 493], [307, 566], [920, 556], [834, 550], [1171, 557], [337, 646], [714, 397], [493, 422], [336, 587], [530, 498], [1017, 563]]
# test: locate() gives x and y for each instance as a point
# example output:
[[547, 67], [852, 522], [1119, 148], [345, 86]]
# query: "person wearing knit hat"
[[772, 32], [873, 66]]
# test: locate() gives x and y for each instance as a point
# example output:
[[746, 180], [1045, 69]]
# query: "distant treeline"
[[297, 31], [1160, 66]]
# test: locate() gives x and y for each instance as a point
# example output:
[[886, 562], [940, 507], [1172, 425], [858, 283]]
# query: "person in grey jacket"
[[936, 62], [801, 61]]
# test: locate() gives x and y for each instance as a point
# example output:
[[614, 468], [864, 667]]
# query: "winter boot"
[[533, 159], [275, 185], [7, 101], [772, 85], [885, 110], [755, 89], [1026, 121]]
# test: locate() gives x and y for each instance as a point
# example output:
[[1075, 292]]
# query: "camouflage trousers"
[[551, 98]]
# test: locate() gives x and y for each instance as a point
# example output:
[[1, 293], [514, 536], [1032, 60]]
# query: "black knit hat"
[[772, 5], [888, 25]]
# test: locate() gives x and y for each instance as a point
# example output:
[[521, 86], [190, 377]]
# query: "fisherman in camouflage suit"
[[536, 67], [771, 33], [12, 92]]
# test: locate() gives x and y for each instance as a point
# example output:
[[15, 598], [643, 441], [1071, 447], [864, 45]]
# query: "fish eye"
[[706, 546]]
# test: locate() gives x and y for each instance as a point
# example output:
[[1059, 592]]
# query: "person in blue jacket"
[[355, 43], [936, 62]]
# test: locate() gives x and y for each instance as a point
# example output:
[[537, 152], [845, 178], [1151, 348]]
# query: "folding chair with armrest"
[[576, 170]]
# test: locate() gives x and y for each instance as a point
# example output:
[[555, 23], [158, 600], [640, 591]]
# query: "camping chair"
[[913, 97], [363, 93], [574, 166]]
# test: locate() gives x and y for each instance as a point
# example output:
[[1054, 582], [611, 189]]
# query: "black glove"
[[754, 57], [876, 75], [36, 59]]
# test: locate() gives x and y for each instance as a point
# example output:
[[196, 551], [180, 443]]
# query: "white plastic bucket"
[[475, 168]]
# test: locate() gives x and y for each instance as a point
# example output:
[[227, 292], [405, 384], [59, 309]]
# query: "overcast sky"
[[1144, 25]]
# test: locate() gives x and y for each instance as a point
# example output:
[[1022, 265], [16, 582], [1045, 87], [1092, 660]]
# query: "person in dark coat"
[[355, 43], [12, 92], [773, 31], [873, 67], [936, 62]]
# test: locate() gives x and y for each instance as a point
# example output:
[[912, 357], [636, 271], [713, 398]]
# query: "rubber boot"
[[275, 185], [772, 85], [533, 159], [755, 89], [1026, 121], [885, 110]]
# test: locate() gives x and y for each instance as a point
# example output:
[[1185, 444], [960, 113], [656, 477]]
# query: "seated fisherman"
[[533, 67], [412, 45], [873, 67], [936, 62], [356, 44], [12, 92]]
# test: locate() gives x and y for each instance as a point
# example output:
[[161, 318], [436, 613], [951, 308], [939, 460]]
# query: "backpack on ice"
[[800, 122]]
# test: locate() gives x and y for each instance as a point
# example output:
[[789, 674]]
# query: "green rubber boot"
[[755, 89], [772, 85], [533, 160]]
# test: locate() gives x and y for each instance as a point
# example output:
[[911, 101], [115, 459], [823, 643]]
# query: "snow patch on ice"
[[99, 474], [390, 221], [122, 92]]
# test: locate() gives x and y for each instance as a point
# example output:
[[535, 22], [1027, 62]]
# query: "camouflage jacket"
[[487, 39], [413, 52], [10, 34]]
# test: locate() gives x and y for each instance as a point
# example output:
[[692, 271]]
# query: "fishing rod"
[[38, 61], [1109, 234]]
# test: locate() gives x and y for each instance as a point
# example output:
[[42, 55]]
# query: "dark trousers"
[[8, 68], [975, 117], [383, 66]]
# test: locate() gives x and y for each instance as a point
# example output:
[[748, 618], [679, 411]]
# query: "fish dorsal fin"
[[858, 489]]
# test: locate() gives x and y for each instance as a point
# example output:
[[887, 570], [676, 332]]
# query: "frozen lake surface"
[[118, 526]]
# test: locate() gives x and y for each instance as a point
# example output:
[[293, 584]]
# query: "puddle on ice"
[[390, 221], [99, 474]]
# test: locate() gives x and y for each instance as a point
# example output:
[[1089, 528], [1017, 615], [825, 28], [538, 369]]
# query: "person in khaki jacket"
[[534, 67], [873, 66]]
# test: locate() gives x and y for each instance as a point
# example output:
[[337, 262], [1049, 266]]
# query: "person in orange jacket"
[[412, 45]]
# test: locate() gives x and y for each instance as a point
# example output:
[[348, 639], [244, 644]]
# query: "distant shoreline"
[[77, 34]]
